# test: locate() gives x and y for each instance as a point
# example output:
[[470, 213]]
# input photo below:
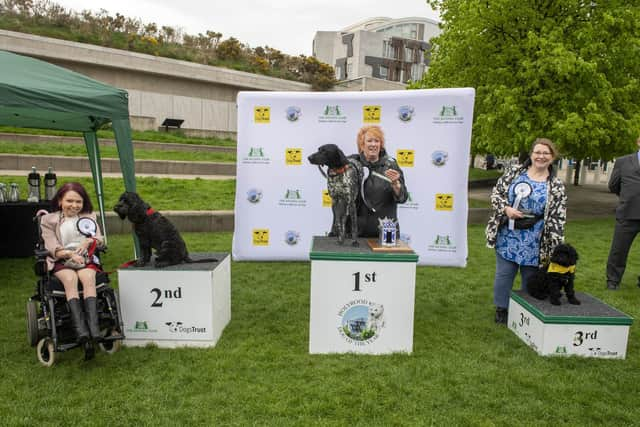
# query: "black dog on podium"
[[559, 274]]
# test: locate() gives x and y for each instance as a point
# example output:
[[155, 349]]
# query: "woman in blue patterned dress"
[[527, 222]]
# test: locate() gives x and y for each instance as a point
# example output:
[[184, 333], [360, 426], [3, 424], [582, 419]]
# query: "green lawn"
[[464, 370]]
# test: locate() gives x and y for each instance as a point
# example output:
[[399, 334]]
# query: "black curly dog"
[[153, 231], [559, 274], [343, 185]]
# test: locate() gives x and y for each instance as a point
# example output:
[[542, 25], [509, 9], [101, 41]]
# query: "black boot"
[[77, 317], [92, 318], [501, 315]]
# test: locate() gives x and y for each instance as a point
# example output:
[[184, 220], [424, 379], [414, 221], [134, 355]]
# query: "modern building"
[[396, 50]]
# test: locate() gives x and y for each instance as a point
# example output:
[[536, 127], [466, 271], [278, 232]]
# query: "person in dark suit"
[[625, 182]]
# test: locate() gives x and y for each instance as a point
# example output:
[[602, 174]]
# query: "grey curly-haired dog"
[[154, 231], [343, 183]]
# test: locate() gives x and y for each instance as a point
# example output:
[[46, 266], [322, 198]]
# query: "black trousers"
[[623, 235]]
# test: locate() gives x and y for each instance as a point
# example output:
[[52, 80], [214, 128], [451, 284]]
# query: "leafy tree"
[[563, 69], [229, 49]]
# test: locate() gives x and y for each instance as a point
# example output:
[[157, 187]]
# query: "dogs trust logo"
[[448, 114], [442, 243], [291, 237], [293, 156], [439, 158], [256, 155], [371, 113], [444, 202], [293, 113], [177, 328], [254, 195], [262, 114], [405, 157], [332, 114], [326, 199], [260, 236], [361, 321], [405, 113], [293, 197]]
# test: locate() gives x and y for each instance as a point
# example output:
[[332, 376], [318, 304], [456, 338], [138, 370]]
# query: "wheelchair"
[[49, 324]]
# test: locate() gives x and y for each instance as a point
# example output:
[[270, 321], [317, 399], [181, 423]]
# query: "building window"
[[384, 72], [338, 72], [349, 70]]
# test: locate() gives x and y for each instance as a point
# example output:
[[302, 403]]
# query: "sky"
[[286, 25]]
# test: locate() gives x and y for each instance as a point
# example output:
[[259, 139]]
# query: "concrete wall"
[[203, 96]]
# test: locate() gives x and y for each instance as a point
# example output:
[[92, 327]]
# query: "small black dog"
[[343, 185], [559, 274], [153, 231]]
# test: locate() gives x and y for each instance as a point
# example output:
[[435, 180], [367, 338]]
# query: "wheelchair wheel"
[[46, 352], [110, 347], [32, 323]]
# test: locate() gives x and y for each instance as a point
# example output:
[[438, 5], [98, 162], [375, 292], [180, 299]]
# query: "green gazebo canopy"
[[37, 94]]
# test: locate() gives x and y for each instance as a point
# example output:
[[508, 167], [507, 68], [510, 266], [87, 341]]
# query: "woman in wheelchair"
[[71, 256]]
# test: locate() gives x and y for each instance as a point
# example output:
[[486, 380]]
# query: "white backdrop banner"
[[282, 200]]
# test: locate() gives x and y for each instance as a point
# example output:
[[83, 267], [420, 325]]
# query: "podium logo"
[[293, 113], [178, 328], [405, 157], [262, 114], [439, 158], [326, 199], [444, 202], [405, 113], [260, 237], [141, 326], [361, 321], [293, 156], [371, 113]]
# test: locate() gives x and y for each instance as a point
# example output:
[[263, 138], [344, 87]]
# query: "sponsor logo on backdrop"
[[293, 197], [293, 156], [405, 157], [291, 237], [439, 158], [293, 113], [254, 195], [332, 114], [405, 238], [405, 113], [442, 243], [444, 201], [361, 321], [141, 326], [262, 114], [256, 155], [260, 236], [326, 199], [178, 328], [410, 203], [448, 114], [371, 113]]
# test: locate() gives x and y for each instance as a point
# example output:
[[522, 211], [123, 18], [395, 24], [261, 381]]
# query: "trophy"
[[388, 231], [34, 186], [522, 191]]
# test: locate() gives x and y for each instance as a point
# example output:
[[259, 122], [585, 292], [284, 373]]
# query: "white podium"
[[591, 329], [180, 305], [361, 301]]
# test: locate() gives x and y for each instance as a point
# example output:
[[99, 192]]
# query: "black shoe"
[[613, 286], [639, 281], [501, 315], [92, 318], [77, 318], [89, 350]]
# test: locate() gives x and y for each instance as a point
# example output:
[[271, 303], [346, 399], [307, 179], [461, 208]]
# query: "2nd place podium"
[[180, 305], [361, 301]]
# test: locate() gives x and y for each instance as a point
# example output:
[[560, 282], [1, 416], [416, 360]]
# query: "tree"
[[563, 69]]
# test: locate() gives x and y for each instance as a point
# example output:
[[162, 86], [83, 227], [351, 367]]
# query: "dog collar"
[[561, 269], [150, 211], [338, 171]]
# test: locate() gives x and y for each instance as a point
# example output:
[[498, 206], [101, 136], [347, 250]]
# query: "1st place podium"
[[362, 301]]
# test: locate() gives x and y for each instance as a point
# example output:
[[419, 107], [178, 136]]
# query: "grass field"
[[464, 370]]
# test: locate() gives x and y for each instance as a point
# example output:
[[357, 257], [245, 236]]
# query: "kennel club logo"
[[405, 113], [448, 114], [405, 157], [326, 199], [141, 326], [256, 156], [361, 321], [371, 113], [293, 156], [262, 114], [179, 328], [260, 236], [293, 197], [444, 201], [254, 195], [442, 243], [439, 158], [332, 114], [293, 113], [410, 203], [291, 237]]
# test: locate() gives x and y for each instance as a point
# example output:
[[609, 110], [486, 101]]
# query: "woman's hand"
[[394, 176], [513, 213]]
